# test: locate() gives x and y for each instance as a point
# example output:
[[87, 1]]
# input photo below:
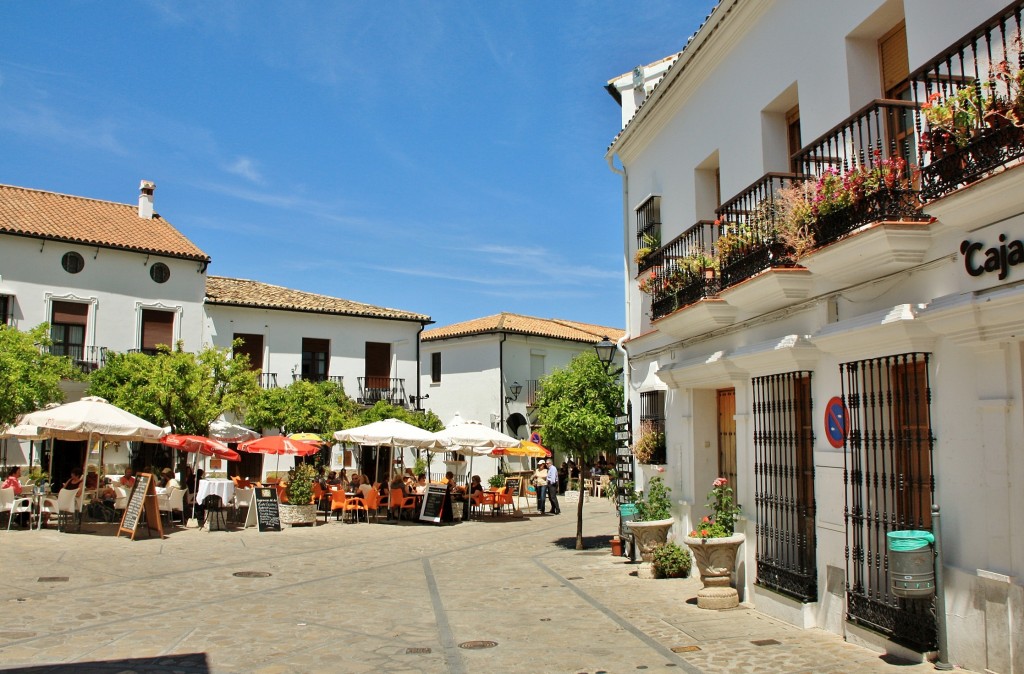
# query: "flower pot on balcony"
[[716, 560], [650, 535]]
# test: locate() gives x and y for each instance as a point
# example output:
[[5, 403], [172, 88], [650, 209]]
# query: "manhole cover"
[[251, 574], [685, 649], [53, 579], [478, 644], [766, 642], [416, 651]]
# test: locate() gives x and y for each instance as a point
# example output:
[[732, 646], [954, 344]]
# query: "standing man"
[[540, 483], [553, 488]]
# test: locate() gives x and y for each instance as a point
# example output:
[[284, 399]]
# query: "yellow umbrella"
[[306, 437], [525, 448]]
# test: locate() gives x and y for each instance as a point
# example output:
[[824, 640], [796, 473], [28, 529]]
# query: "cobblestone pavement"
[[498, 594]]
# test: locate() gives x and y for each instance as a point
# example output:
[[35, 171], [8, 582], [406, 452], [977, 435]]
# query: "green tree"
[[381, 410], [183, 390], [576, 407], [303, 407], [29, 376]]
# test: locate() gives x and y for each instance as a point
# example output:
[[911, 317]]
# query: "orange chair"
[[338, 502], [504, 498], [399, 501], [282, 494], [372, 501], [354, 505]]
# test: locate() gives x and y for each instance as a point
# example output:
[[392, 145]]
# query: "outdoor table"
[[225, 489]]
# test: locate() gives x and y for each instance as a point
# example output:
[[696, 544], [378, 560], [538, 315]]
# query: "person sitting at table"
[[92, 478], [75, 481], [169, 481], [421, 483], [353, 484], [332, 479], [13, 481], [475, 485], [128, 479], [365, 487]]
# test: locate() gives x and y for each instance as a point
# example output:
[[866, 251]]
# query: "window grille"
[[648, 226], [784, 484], [889, 487], [652, 420]]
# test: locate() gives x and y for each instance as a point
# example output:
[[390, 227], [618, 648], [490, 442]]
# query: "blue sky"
[[438, 157]]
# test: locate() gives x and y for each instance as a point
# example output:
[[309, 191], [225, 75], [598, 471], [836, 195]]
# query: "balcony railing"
[[337, 379], [267, 379], [531, 391], [973, 97], [682, 270], [648, 230], [750, 240], [869, 156], [146, 351], [85, 358], [388, 389]]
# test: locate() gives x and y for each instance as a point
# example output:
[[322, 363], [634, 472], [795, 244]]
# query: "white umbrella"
[[92, 416], [472, 436], [225, 431], [389, 432]]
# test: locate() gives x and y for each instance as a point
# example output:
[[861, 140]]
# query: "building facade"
[[821, 224]]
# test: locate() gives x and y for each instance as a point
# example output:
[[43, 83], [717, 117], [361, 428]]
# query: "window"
[[316, 354], [435, 367], [648, 230], [159, 272], [67, 329], [157, 328], [784, 484], [252, 346], [794, 143], [652, 420], [888, 459], [5, 309], [72, 262]]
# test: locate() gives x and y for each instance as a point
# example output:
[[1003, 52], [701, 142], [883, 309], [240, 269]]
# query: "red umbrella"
[[204, 446], [280, 444]]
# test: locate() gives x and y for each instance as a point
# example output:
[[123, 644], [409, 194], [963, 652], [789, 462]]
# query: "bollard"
[[942, 663]]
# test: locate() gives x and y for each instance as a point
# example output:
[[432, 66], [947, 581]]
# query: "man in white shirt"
[[553, 488]]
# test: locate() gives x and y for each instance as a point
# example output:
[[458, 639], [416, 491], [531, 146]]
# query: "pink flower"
[[720, 482]]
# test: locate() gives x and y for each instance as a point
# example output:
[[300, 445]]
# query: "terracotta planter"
[[297, 514], [650, 535], [715, 558], [616, 547]]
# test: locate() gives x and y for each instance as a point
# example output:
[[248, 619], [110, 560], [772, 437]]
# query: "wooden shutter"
[[252, 346], [378, 364], [895, 64], [70, 313], [157, 328]]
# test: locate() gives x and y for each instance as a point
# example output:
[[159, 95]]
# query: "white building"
[[845, 388], [488, 369], [114, 277]]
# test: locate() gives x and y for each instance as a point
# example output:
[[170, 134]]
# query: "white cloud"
[[246, 168]]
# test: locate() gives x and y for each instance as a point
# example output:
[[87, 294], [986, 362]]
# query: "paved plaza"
[[498, 594]]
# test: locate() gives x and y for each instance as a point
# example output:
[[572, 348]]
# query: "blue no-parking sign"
[[835, 422]]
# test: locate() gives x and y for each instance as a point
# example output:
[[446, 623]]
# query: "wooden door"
[[727, 435]]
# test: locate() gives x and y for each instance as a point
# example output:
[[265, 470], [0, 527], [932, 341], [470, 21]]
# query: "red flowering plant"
[[725, 508], [652, 283]]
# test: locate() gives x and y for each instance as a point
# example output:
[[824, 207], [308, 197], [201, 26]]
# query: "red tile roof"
[[554, 328], [238, 292], [62, 217]]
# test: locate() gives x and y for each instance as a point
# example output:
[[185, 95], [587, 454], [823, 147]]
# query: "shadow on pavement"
[[602, 542], [187, 663]]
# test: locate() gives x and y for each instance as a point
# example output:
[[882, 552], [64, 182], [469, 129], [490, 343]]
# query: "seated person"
[[364, 485], [92, 478], [128, 479], [421, 483], [475, 485], [169, 481], [333, 480], [397, 482], [75, 481], [353, 484]]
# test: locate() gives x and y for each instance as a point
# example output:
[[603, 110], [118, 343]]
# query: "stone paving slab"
[[380, 597]]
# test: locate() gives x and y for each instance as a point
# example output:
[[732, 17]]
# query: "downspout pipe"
[[501, 380], [419, 332], [625, 274]]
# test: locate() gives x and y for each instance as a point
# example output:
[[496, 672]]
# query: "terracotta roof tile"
[[61, 217], [554, 328], [245, 293]]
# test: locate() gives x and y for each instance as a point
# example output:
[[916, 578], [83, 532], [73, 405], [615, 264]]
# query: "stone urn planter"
[[297, 514], [716, 560], [650, 535]]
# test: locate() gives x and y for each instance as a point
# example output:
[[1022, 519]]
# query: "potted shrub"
[[651, 443], [497, 480], [653, 518], [671, 561], [300, 508], [714, 544]]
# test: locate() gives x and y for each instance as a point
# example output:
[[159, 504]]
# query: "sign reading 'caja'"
[[978, 260]]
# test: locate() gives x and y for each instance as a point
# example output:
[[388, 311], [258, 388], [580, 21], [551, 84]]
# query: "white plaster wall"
[[115, 282]]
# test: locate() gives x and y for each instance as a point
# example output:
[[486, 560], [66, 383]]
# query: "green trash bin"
[[627, 511], [911, 563]]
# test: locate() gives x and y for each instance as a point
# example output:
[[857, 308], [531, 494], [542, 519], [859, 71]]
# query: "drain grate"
[[478, 644], [416, 651], [53, 579], [251, 574], [685, 649], [766, 642]]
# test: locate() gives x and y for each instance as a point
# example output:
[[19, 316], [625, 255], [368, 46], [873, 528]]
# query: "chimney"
[[146, 189]]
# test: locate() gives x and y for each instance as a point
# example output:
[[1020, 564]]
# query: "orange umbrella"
[[525, 448], [201, 445], [279, 444]]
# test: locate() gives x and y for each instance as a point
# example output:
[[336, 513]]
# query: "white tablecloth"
[[223, 488]]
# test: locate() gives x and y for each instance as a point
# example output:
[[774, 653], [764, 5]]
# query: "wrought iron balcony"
[[973, 99], [388, 389], [863, 169], [750, 241], [86, 358], [682, 271], [146, 351], [267, 379], [531, 390], [648, 231], [337, 379]]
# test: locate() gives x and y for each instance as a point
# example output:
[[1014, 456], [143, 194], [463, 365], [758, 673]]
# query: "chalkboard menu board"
[[268, 515], [433, 502], [141, 503], [514, 485]]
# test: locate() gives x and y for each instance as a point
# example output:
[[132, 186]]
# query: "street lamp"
[[515, 389], [606, 354]]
